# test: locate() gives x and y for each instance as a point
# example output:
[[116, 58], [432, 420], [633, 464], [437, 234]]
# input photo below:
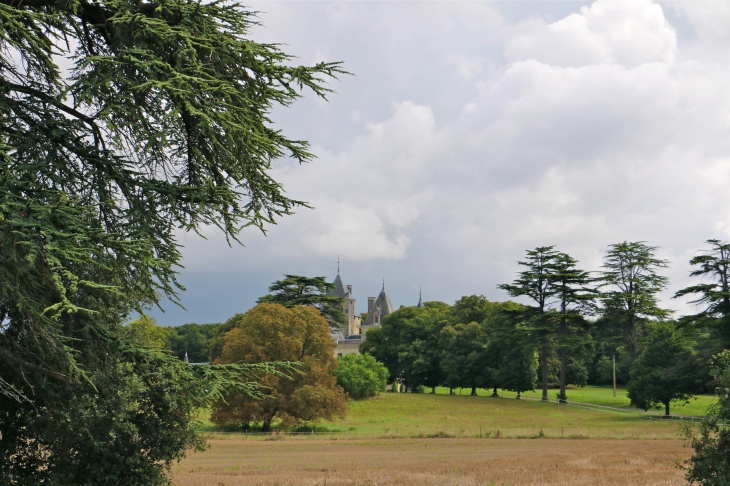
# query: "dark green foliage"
[[161, 125], [464, 359], [127, 425], [310, 291], [407, 344], [666, 371], [630, 288], [361, 375], [603, 371], [195, 339], [575, 299], [472, 308], [714, 296], [710, 463], [537, 283], [511, 353]]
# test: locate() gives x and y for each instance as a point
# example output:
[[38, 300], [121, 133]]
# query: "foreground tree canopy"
[[157, 122], [710, 463], [272, 332]]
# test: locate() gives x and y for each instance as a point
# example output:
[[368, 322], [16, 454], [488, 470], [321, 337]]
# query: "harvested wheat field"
[[234, 461]]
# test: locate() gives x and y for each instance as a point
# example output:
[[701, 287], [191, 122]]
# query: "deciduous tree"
[[512, 352], [193, 339], [272, 332], [407, 343], [666, 370], [464, 360]]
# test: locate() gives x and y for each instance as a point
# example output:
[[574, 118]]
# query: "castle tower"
[[343, 291], [378, 308]]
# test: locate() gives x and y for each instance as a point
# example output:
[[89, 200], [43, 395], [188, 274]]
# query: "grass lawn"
[[428, 415], [597, 395], [417, 415]]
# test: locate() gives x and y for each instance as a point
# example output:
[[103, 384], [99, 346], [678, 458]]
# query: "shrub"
[[361, 375]]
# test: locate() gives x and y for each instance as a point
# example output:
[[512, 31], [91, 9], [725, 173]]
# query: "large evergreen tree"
[[714, 296], [537, 283], [310, 291], [574, 298], [631, 284], [159, 123]]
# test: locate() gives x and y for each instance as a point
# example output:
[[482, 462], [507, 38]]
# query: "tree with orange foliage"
[[272, 332]]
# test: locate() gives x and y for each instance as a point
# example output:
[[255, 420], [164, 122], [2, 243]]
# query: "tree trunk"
[[666, 407], [562, 398], [543, 363], [433, 390], [473, 391], [518, 396], [631, 341], [494, 392], [267, 425], [451, 391]]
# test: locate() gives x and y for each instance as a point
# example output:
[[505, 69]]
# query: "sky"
[[470, 132]]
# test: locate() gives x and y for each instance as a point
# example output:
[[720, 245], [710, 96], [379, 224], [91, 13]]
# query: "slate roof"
[[340, 290], [383, 304]]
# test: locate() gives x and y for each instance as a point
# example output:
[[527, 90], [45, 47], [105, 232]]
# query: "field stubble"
[[235, 460]]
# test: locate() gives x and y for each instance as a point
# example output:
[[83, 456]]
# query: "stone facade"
[[349, 340], [348, 306]]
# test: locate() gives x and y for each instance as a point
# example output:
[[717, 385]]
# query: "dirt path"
[[465, 462]]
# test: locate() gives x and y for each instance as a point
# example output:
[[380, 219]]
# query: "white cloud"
[[710, 18], [628, 32], [470, 139]]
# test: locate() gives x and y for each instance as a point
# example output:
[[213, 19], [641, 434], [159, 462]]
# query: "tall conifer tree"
[[538, 284]]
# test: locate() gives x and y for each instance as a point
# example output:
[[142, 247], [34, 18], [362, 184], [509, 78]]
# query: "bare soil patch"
[[234, 461]]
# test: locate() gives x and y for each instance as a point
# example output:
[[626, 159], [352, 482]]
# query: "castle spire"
[[338, 264], [383, 285], [420, 304]]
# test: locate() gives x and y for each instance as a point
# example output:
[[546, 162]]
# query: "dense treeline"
[[574, 324]]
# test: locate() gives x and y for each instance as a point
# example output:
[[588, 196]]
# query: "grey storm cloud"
[[472, 131]]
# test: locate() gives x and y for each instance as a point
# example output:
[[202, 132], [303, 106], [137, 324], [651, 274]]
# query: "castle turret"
[[378, 308], [342, 291]]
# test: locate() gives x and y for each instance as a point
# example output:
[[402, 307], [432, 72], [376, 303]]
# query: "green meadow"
[[596, 395], [462, 415]]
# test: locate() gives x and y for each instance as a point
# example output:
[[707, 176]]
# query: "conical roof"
[[339, 290], [384, 304]]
